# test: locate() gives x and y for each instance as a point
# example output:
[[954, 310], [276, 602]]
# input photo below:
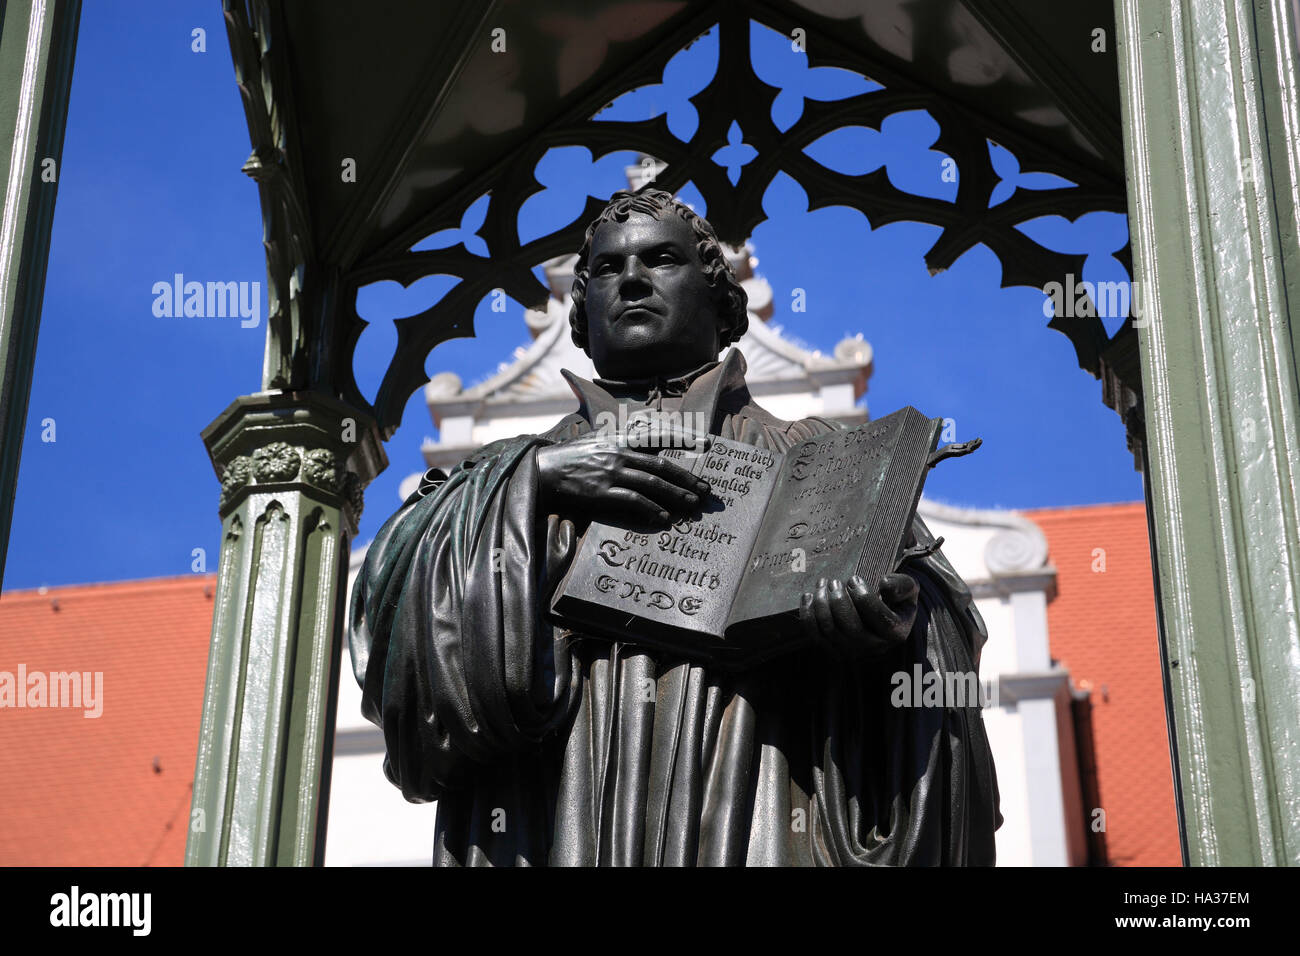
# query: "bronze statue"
[[546, 746]]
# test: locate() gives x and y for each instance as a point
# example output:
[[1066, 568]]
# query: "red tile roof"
[[113, 790], [1102, 628]]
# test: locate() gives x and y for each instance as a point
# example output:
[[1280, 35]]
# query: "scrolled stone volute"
[[1016, 550]]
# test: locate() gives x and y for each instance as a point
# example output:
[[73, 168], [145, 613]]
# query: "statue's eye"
[[664, 258], [605, 268]]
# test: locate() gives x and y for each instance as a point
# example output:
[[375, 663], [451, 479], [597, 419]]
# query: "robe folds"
[[544, 746]]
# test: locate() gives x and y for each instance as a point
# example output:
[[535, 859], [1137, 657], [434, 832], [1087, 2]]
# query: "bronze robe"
[[544, 746]]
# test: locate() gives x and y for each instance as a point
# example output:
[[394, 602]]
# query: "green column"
[[38, 39], [1212, 140], [293, 466]]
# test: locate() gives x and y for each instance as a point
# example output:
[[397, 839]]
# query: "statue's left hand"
[[848, 618]]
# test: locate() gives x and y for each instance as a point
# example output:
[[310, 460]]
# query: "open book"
[[725, 584]]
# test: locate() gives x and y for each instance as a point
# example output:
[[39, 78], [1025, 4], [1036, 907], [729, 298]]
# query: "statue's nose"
[[635, 277]]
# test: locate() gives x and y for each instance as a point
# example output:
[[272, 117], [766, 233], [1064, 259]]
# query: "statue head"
[[653, 293]]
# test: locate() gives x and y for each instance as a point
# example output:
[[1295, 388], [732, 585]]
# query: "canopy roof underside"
[[419, 97], [379, 123]]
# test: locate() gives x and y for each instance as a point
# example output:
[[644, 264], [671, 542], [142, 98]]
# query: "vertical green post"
[[1212, 141], [293, 466], [38, 40]]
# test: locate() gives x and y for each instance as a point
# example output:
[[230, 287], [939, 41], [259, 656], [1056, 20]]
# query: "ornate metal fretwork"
[[736, 94]]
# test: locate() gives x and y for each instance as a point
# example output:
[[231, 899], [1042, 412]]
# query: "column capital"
[[304, 441]]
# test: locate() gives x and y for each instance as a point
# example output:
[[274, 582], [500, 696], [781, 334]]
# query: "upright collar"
[[704, 388], [677, 385]]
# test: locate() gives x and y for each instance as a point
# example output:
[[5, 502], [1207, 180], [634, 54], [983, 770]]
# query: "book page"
[[820, 516], [684, 576]]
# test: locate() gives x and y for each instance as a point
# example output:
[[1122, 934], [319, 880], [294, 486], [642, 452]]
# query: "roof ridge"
[[121, 586], [1091, 507]]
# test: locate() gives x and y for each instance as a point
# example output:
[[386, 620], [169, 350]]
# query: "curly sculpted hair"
[[733, 303]]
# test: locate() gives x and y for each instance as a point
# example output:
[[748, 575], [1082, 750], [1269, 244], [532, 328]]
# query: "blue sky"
[[150, 187]]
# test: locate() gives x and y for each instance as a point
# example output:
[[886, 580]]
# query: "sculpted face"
[[650, 310]]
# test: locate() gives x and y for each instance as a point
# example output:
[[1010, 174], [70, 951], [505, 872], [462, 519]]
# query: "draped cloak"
[[546, 746]]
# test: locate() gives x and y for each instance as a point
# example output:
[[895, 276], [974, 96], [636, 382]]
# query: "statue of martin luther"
[[546, 746]]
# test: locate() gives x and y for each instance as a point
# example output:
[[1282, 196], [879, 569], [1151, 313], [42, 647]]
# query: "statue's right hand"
[[594, 476]]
